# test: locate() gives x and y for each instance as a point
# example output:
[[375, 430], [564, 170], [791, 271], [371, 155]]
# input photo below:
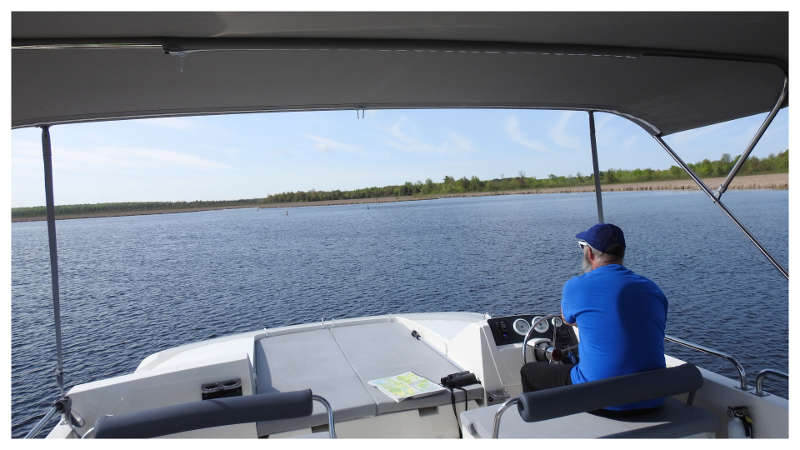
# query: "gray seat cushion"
[[384, 349], [674, 419], [338, 362], [310, 359]]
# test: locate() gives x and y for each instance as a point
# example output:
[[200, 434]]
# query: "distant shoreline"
[[776, 181]]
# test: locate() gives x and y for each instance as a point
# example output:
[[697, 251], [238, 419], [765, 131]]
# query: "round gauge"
[[557, 322], [542, 326], [521, 326]]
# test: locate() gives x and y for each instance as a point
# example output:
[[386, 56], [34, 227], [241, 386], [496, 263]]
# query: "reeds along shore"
[[776, 181]]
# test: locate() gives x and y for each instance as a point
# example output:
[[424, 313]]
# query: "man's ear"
[[591, 253]]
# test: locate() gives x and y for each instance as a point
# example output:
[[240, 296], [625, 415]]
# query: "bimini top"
[[667, 71]]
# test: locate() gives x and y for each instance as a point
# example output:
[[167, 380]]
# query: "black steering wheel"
[[552, 351]]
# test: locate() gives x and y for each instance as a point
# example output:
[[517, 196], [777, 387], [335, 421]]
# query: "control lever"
[[528, 335], [557, 322], [553, 353]]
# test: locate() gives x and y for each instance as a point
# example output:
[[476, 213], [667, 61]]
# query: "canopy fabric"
[[666, 71]]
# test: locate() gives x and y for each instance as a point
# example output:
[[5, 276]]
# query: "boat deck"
[[338, 362]]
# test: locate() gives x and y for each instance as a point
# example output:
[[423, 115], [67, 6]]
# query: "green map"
[[406, 385]]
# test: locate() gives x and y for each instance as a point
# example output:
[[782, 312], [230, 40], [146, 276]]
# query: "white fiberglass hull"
[[337, 359]]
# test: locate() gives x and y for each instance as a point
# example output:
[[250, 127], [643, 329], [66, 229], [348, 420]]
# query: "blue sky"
[[253, 155]]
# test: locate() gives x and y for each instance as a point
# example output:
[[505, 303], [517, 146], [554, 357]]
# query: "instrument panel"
[[512, 329]]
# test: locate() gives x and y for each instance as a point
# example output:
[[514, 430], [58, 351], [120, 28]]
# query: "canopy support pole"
[[596, 168], [719, 203], [767, 121], [62, 404]]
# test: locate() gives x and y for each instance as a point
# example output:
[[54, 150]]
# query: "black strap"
[[455, 413], [466, 399], [453, 403]]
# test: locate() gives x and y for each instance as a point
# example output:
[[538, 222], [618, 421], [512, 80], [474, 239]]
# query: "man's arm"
[[564, 295]]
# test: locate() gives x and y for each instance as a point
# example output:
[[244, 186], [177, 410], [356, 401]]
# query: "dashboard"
[[512, 329]]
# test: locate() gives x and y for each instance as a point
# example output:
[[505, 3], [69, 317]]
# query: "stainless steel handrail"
[[84, 435], [715, 352], [760, 132], [41, 423], [499, 413], [760, 380], [596, 169], [331, 429], [721, 205]]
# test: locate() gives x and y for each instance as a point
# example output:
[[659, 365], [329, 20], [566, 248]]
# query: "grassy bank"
[[767, 181]]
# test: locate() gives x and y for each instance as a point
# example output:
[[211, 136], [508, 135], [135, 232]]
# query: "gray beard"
[[586, 265]]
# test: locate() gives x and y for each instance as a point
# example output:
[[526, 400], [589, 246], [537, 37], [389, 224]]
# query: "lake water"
[[131, 286]]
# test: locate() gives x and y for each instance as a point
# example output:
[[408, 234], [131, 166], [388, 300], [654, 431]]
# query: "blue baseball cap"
[[605, 237]]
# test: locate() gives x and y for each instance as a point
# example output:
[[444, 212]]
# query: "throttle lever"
[[554, 354]]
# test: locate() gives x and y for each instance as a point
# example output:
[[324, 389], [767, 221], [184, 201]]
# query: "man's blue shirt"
[[621, 318]]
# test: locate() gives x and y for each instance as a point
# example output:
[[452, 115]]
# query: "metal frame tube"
[[719, 203], [51, 236], [331, 429], [596, 168], [764, 125], [760, 380], [715, 352], [499, 414]]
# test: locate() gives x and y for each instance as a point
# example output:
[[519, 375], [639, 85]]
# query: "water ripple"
[[131, 286]]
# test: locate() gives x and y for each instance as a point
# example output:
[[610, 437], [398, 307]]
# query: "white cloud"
[[561, 136], [173, 158], [460, 142], [627, 143], [324, 144], [602, 122], [26, 153], [173, 123], [97, 158], [516, 135], [738, 142], [686, 137], [453, 143]]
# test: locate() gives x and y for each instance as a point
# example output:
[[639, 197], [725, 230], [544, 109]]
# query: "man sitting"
[[621, 317]]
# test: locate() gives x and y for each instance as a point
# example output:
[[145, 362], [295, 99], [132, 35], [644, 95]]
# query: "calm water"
[[131, 286]]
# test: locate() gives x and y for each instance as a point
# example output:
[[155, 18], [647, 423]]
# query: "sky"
[[253, 155]]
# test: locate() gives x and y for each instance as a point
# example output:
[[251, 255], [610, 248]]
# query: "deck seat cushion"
[[338, 362], [384, 349]]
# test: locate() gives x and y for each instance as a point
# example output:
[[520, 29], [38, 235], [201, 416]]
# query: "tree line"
[[449, 185], [772, 164]]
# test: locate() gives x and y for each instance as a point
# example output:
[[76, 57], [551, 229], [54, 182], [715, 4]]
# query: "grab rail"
[[546, 404], [329, 408], [760, 380], [201, 414], [499, 414], [715, 352]]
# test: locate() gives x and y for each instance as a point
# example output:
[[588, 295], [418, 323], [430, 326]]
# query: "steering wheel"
[[553, 353], [528, 336]]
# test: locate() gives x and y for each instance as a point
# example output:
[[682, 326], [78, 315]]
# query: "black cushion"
[[636, 387], [205, 414]]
